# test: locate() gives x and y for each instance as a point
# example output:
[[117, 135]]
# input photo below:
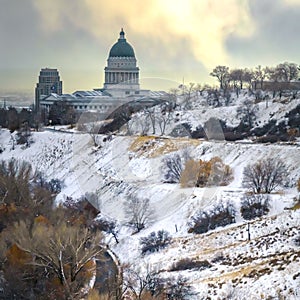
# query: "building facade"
[[121, 84], [48, 82]]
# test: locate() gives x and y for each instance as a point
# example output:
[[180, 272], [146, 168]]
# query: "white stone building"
[[121, 84]]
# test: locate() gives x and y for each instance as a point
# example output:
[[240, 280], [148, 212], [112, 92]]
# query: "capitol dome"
[[121, 48], [121, 72]]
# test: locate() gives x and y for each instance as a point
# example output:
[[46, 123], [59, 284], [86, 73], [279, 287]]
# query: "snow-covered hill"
[[266, 266], [220, 264]]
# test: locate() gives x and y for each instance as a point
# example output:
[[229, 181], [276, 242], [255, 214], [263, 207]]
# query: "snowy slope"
[[132, 164]]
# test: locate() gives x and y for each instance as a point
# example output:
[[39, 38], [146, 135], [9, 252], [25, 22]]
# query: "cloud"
[[202, 25], [275, 38], [172, 38]]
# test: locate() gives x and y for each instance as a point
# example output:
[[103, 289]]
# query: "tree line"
[[255, 78]]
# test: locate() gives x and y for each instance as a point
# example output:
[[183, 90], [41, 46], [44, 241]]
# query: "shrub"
[[271, 138], [297, 241], [172, 166], [178, 288], [54, 186], [220, 215], [298, 185], [155, 241], [190, 174], [189, 264], [206, 173], [253, 206]]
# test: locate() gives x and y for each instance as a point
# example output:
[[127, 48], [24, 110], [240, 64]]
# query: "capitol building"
[[121, 84]]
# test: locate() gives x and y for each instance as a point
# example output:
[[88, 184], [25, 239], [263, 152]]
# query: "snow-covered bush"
[[220, 215], [55, 185], [155, 241], [189, 264], [253, 206]]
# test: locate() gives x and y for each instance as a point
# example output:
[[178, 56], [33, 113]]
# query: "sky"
[[174, 40]]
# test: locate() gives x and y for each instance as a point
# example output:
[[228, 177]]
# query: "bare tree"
[[107, 225], [265, 175], [247, 112], [259, 74], [172, 166], [237, 76], [62, 249], [138, 212], [93, 130], [150, 112], [141, 284], [165, 116], [287, 71], [248, 77], [222, 74]]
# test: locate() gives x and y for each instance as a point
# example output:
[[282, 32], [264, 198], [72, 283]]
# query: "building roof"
[[121, 48]]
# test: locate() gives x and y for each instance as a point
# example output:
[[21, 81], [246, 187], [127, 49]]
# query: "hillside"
[[219, 264]]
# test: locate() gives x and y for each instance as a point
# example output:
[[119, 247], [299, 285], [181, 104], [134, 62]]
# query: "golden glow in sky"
[[172, 38]]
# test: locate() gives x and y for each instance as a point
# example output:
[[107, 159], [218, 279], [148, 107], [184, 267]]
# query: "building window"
[[127, 92], [80, 107], [136, 92]]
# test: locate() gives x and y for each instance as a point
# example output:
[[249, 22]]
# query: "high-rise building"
[[49, 82]]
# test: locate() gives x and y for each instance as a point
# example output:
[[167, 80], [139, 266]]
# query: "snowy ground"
[[267, 266], [228, 265]]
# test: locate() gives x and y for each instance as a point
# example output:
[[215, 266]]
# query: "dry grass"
[[296, 206], [151, 146]]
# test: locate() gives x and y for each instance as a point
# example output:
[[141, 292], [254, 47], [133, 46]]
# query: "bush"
[[190, 174], [172, 167], [54, 185], [231, 136], [205, 173], [189, 264], [297, 241], [178, 288], [271, 138], [253, 206], [220, 215], [155, 241]]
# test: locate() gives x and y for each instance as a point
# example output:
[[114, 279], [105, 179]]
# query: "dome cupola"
[[121, 72], [121, 48]]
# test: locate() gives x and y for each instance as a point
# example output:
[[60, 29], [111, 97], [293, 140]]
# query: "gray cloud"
[[276, 37], [171, 41]]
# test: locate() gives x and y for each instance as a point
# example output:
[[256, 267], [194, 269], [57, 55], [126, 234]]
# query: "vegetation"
[[138, 212], [253, 206], [172, 166], [280, 76], [190, 264], [265, 175], [46, 252], [155, 241], [220, 215], [206, 173]]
